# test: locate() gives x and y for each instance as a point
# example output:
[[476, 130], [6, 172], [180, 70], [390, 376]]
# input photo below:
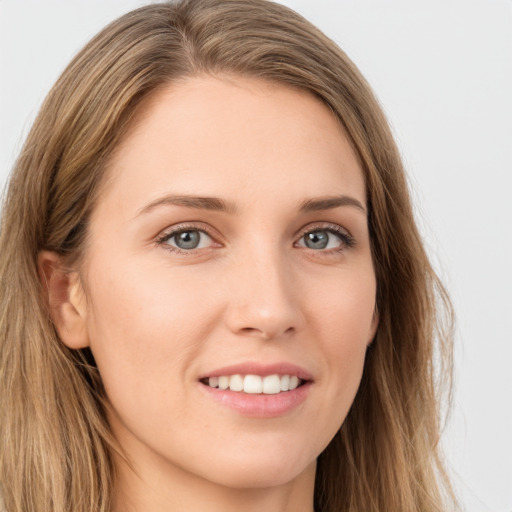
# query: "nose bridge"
[[263, 298]]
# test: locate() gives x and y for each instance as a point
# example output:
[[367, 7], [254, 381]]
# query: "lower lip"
[[260, 405]]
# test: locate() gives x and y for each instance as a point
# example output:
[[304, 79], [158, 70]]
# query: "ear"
[[66, 300], [374, 325]]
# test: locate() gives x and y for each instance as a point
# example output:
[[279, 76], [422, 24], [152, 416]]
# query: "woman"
[[214, 295]]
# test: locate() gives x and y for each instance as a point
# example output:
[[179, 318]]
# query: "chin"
[[268, 466], [260, 475]]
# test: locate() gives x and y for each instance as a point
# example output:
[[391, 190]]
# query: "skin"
[[157, 320]]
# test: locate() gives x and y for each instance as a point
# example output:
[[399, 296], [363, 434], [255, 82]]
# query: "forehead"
[[235, 138]]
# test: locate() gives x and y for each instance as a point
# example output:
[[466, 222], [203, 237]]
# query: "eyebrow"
[[329, 203], [196, 202], [220, 205]]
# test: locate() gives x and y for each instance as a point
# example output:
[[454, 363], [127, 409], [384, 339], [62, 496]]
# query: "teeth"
[[236, 383], [271, 385], [255, 384]]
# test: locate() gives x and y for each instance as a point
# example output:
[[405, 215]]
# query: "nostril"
[[266, 333], [253, 331]]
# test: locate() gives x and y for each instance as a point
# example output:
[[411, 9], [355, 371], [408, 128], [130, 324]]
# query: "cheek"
[[344, 315], [143, 323], [344, 307]]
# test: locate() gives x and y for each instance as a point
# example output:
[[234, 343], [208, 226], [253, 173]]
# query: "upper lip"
[[254, 368]]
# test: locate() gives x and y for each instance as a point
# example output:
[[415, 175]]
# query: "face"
[[230, 249]]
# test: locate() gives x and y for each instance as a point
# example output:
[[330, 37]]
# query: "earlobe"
[[66, 300]]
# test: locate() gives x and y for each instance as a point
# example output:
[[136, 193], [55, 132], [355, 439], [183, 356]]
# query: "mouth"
[[259, 390], [253, 384]]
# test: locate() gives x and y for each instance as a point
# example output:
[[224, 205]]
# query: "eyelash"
[[347, 240]]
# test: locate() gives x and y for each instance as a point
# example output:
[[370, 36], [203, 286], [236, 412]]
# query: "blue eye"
[[316, 240], [188, 239], [321, 239]]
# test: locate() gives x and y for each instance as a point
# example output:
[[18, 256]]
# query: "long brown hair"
[[55, 443]]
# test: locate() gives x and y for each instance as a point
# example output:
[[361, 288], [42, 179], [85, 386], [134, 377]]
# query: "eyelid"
[[327, 226]]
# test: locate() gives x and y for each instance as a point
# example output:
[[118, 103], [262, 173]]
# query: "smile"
[[255, 384]]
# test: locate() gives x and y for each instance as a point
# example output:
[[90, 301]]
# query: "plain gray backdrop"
[[443, 72]]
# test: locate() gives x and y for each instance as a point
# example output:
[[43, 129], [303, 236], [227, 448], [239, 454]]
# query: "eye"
[[187, 239], [331, 238]]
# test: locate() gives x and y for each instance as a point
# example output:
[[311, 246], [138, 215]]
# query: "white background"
[[443, 72]]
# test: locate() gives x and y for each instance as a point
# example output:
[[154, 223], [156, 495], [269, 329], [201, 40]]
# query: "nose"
[[263, 298]]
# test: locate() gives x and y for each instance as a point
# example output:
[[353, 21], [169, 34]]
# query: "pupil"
[[187, 240], [317, 240]]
